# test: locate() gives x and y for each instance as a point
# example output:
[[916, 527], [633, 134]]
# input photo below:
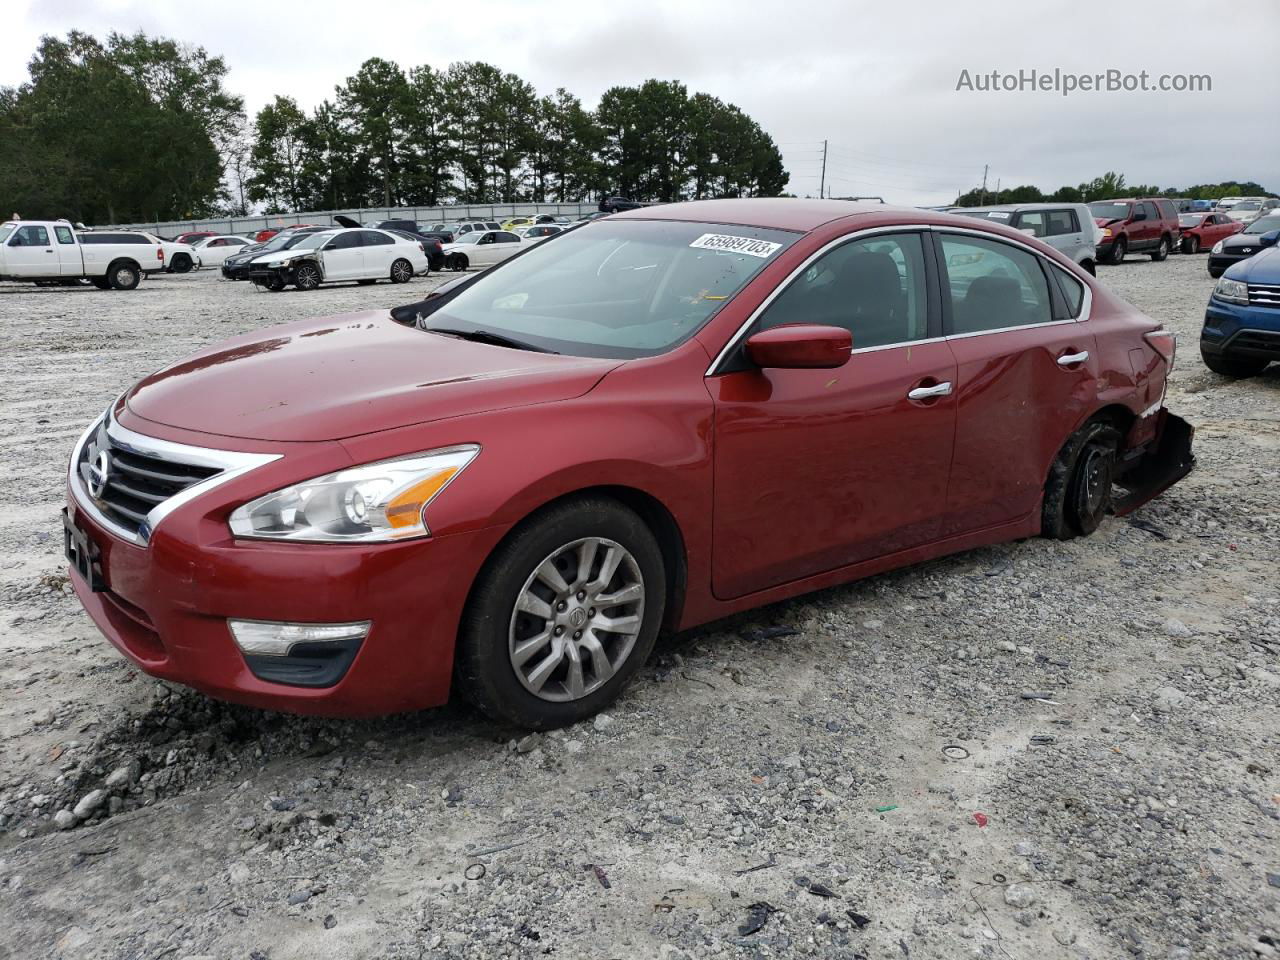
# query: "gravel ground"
[[857, 773]]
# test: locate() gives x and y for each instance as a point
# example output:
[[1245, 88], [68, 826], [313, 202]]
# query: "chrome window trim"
[[231, 463], [1086, 304]]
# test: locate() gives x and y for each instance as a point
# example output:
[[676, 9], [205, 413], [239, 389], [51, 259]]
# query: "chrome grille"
[[1264, 294], [135, 483]]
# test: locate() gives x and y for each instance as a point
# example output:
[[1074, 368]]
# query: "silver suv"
[[1067, 227]]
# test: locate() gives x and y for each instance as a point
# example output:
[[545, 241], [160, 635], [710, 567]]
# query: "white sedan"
[[334, 256], [211, 251], [481, 249]]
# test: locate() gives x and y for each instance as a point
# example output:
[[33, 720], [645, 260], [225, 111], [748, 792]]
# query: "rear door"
[[505, 244], [70, 263], [30, 252], [379, 250], [1064, 233], [1026, 374], [819, 469]]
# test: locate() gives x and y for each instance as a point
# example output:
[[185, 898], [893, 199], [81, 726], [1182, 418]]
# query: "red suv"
[[678, 413], [1146, 225]]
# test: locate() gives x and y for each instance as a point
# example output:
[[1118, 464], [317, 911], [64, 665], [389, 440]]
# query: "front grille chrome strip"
[[229, 464]]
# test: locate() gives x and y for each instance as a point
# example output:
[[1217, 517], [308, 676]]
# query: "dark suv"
[[1145, 225]]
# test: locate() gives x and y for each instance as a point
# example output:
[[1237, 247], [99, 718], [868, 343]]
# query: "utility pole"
[[984, 186], [822, 183], [997, 189]]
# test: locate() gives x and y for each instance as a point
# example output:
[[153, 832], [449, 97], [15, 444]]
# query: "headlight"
[[1231, 290], [1217, 247], [1106, 231], [376, 502]]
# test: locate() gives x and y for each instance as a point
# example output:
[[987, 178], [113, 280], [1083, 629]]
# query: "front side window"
[[31, 236], [1152, 212], [993, 285], [64, 235], [622, 289], [875, 288], [344, 241]]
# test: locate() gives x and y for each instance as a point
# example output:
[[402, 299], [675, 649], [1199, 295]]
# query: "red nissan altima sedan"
[[661, 418]]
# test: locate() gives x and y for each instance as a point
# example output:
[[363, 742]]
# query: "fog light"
[[264, 638]]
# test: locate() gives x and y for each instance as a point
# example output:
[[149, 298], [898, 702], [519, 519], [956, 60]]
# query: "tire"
[[1161, 251], [122, 275], [306, 276], [1191, 245], [1077, 494], [1089, 267], [1238, 368], [544, 691], [1118, 250], [401, 271], [457, 262], [181, 264], [100, 282]]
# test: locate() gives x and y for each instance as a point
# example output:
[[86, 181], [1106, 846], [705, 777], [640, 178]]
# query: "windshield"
[[1248, 205], [1227, 204], [1190, 219], [630, 288], [471, 237], [1263, 225], [5, 230], [1109, 211]]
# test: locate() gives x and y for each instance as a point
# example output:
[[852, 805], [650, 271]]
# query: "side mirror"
[[1269, 239], [798, 346]]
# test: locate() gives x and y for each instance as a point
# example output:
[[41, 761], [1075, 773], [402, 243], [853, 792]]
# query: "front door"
[[343, 259], [31, 252], [1026, 374], [818, 469]]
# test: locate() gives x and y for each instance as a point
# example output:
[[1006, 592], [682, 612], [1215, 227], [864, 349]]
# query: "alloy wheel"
[[576, 619]]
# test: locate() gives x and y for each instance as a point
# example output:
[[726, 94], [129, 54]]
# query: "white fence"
[[366, 215]]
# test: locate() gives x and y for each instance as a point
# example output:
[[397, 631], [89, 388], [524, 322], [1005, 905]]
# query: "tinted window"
[[113, 238], [1060, 222], [993, 285], [874, 288], [1109, 211], [1150, 210], [1072, 291], [344, 241], [1033, 221], [1166, 209], [31, 236], [491, 226], [64, 235], [504, 237], [372, 239]]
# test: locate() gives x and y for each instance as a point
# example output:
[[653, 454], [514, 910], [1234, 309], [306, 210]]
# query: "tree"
[[374, 107], [429, 139], [281, 138]]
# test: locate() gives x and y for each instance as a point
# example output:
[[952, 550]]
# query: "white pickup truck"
[[50, 251]]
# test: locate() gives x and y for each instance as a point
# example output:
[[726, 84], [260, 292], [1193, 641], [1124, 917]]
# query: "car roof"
[[1038, 205], [779, 213]]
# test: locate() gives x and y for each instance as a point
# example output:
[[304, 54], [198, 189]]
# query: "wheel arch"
[[656, 515], [123, 261]]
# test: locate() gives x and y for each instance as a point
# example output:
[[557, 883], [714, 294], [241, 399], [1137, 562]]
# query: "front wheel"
[[401, 271], [457, 262], [1191, 245], [1118, 250], [1078, 492], [563, 615], [306, 276], [1161, 251], [1238, 368]]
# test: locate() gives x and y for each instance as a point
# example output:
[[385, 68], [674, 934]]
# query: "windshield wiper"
[[487, 336]]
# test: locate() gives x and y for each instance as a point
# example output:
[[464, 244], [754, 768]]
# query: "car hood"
[[1107, 221], [1238, 240], [1261, 268], [339, 377]]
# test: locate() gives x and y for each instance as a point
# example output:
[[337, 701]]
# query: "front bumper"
[[1236, 330], [235, 271], [165, 605], [1219, 262]]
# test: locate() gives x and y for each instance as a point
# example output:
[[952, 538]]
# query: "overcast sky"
[[877, 80]]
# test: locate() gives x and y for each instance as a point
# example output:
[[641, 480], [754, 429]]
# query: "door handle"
[[937, 390], [1067, 359]]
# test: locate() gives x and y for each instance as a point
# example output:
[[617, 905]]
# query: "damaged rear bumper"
[[1166, 460]]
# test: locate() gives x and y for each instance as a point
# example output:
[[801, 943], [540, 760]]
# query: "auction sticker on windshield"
[[725, 241]]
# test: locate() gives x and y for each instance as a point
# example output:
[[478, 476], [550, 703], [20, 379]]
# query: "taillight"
[[160, 254], [422, 246], [1164, 343]]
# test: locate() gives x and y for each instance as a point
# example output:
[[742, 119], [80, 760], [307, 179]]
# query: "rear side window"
[[993, 285], [875, 288], [504, 237], [64, 234], [372, 239], [1072, 291], [1033, 221], [1061, 222]]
